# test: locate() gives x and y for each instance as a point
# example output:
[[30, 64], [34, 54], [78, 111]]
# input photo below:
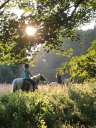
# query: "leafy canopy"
[[52, 19], [83, 67]]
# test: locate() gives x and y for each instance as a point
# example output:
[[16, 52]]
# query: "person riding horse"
[[59, 77], [24, 85], [26, 76]]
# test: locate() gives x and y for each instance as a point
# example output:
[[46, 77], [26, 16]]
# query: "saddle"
[[27, 81], [26, 85]]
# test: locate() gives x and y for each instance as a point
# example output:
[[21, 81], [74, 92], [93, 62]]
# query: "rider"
[[59, 77], [26, 76]]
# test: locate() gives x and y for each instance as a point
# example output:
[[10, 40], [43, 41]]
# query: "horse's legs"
[[25, 86], [14, 85], [36, 87], [33, 83]]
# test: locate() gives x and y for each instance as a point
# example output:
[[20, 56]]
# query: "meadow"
[[72, 106]]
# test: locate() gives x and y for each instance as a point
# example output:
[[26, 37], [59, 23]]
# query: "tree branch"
[[76, 6], [4, 4]]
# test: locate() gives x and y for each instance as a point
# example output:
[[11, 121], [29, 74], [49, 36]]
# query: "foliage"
[[83, 67], [58, 107], [88, 37], [49, 62], [8, 73], [52, 20]]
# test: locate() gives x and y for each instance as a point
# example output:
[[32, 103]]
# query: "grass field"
[[5, 87], [8, 87], [49, 107]]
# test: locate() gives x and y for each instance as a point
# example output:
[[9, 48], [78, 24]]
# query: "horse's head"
[[39, 77], [42, 78]]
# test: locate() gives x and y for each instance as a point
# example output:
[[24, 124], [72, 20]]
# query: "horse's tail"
[[14, 85]]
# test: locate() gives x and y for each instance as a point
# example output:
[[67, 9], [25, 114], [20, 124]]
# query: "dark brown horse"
[[25, 85]]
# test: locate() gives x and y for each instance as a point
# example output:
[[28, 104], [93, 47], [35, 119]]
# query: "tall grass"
[[5, 87], [50, 107]]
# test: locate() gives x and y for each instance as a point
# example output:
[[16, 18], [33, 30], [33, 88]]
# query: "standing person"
[[26, 76], [59, 77]]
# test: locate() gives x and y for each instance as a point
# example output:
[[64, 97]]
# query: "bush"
[[59, 107]]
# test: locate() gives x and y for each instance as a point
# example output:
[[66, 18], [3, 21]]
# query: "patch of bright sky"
[[88, 26], [18, 12]]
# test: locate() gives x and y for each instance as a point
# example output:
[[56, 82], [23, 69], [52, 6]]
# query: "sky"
[[88, 26]]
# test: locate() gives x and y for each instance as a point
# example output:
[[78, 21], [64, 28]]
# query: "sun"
[[30, 30]]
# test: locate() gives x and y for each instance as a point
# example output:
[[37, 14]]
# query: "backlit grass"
[[50, 107]]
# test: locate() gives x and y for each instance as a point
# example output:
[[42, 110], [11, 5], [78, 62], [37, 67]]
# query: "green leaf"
[[71, 50]]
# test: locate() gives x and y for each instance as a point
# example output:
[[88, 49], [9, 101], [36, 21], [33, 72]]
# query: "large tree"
[[82, 67], [52, 19]]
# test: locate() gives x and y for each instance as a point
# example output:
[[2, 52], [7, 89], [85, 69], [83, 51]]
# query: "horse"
[[67, 81], [53, 83], [25, 85], [64, 82]]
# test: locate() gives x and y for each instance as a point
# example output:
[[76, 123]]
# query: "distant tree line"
[[50, 62], [8, 73]]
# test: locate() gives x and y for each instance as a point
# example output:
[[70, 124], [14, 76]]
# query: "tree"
[[53, 20], [3, 4], [48, 63], [88, 37], [83, 67], [6, 74]]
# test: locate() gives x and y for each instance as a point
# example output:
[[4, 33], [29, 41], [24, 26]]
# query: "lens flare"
[[30, 30]]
